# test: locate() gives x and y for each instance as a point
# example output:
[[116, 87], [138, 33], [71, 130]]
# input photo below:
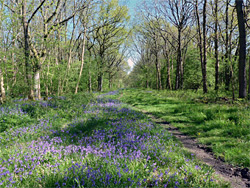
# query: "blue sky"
[[132, 11], [132, 5]]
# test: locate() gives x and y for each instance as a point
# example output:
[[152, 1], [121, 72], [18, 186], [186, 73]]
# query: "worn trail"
[[238, 177]]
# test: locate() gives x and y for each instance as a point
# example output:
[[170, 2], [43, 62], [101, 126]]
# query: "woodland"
[[52, 48], [75, 113]]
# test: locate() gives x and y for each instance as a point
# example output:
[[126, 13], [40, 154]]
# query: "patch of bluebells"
[[109, 93], [126, 152], [6, 111], [18, 132], [40, 103]]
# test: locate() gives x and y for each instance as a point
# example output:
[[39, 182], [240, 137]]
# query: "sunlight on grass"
[[216, 123], [81, 141]]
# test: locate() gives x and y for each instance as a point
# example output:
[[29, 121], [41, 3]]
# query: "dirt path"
[[238, 177]]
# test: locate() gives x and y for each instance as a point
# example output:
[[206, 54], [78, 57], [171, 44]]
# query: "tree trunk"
[[90, 82], [110, 81], [169, 86], [47, 82], [216, 46], [232, 81], [37, 84], [27, 52], [82, 58], [204, 71], [227, 70], [249, 79], [172, 69], [3, 96], [200, 37], [242, 51], [179, 59], [100, 80], [158, 74]]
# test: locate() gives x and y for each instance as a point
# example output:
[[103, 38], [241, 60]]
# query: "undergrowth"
[[218, 122], [82, 141]]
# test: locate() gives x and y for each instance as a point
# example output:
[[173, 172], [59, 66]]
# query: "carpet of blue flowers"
[[98, 143]]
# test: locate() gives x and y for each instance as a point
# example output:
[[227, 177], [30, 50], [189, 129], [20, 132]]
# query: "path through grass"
[[225, 128], [74, 142]]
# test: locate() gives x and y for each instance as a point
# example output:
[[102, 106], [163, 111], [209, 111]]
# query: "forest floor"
[[97, 141], [238, 175], [86, 141]]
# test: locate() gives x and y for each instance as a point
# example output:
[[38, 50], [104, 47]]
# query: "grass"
[[82, 141], [213, 120]]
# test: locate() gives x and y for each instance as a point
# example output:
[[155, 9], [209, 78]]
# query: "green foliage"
[[14, 121], [192, 75]]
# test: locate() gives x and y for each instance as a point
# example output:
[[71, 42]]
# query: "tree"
[[204, 64], [109, 34], [202, 41], [216, 46], [242, 50], [179, 13], [2, 89], [85, 27]]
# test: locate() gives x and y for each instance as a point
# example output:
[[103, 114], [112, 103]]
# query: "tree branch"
[[34, 13], [55, 12]]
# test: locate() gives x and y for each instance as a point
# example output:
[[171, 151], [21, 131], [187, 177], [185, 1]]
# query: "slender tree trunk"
[[100, 80], [242, 51], [232, 81], [47, 81], [110, 81], [82, 57], [90, 82], [169, 86], [227, 70], [27, 52], [181, 71], [3, 96], [204, 71], [158, 74], [249, 79], [199, 37], [216, 46], [37, 84], [157, 82], [172, 70], [179, 62]]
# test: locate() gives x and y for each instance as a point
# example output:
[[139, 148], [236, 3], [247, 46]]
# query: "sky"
[[132, 6], [131, 64]]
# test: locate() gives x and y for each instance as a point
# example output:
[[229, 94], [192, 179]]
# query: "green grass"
[[82, 141], [213, 120]]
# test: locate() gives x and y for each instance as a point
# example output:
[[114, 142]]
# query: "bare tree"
[[179, 13]]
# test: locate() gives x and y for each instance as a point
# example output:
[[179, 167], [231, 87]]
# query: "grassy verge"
[[222, 126], [79, 141]]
